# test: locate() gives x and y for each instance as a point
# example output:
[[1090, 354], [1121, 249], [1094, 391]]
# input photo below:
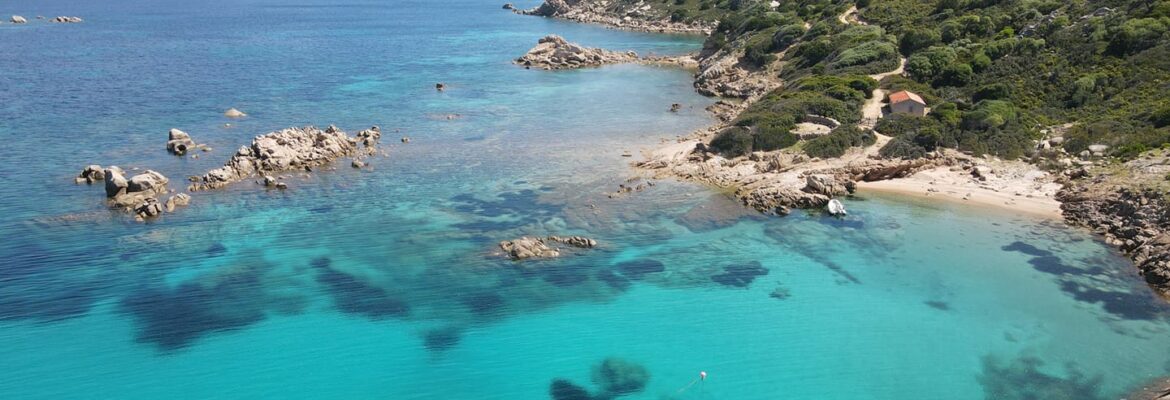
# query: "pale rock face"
[[554, 52], [149, 181], [115, 183], [91, 174], [16, 19], [234, 113], [179, 142]]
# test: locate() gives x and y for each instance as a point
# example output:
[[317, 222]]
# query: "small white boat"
[[836, 208]]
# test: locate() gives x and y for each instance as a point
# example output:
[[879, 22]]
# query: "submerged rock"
[[620, 377], [575, 241], [563, 389], [442, 339], [635, 269], [740, 275]]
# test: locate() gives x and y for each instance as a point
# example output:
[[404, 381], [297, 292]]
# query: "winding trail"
[[871, 111]]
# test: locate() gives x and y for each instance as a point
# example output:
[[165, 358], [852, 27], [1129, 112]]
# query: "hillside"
[[996, 74]]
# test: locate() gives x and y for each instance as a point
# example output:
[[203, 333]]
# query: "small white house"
[[904, 102]]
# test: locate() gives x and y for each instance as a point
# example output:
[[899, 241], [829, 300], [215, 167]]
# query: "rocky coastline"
[[1127, 204], [636, 18]]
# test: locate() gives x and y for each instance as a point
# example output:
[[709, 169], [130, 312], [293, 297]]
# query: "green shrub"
[[917, 39], [773, 137], [838, 141], [957, 74], [990, 114], [925, 65], [994, 91], [786, 36], [901, 148], [1161, 117], [865, 53], [733, 142], [1136, 35]]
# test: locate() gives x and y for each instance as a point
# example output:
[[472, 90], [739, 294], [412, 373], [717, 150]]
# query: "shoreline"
[[1045, 208], [1125, 203]]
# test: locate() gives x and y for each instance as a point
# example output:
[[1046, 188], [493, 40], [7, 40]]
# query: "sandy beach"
[[941, 184]]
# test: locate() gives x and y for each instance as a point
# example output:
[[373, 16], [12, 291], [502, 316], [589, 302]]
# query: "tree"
[[917, 39]]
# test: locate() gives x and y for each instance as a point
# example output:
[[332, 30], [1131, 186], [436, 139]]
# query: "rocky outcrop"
[[234, 113], [288, 150], [553, 52], [178, 200], [66, 20], [179, 142], [827, 185], [629, 16], [139, 194], [16, 19], [526, 247], [1130, 208], [723, 75], [91, 174], [533, 247], [780, 199], [1135, 221]]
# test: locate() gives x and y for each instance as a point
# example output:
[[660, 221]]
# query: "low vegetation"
[[994, 72]]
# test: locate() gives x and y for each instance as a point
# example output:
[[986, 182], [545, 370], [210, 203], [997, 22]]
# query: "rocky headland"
[[554, 52], [292, 149], [639, 17]]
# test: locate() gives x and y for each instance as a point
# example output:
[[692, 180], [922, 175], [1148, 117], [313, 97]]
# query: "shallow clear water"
[[381, 283]]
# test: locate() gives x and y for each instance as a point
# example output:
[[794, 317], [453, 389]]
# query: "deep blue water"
[[381, 283]]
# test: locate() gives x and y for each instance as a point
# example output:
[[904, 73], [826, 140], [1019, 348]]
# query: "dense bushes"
[[764, 136], [901, 148], [994, 72], [838, 141]]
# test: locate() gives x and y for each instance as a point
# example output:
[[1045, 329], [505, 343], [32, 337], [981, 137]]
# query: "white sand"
[[1021, 188]]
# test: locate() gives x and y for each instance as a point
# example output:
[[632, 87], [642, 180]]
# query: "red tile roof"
[[904, 96]]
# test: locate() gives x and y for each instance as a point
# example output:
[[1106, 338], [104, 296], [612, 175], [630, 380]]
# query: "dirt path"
[[844, 17], [871, 111]]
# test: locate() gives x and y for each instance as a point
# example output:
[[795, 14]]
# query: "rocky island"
[[292, 149]]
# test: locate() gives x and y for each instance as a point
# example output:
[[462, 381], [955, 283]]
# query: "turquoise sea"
[[381, 283]]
